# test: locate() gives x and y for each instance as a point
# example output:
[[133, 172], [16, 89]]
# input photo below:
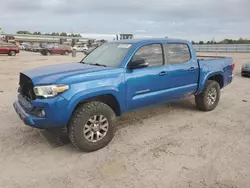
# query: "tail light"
[[233, 66]]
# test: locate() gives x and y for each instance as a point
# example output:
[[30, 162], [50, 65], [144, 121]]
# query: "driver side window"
[[151, 53]]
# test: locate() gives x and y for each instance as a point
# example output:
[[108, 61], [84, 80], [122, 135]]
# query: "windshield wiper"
[[97, 64]]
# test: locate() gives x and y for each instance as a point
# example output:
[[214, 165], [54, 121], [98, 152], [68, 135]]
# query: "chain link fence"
[[233, 48]]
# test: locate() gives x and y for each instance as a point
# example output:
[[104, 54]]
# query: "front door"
[[145, 86]]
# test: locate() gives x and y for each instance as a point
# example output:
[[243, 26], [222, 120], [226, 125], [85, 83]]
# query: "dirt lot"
[[171, 145]]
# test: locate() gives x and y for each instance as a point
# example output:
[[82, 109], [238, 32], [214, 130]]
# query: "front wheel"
[[91, 127], [66, 53], [210, 96]]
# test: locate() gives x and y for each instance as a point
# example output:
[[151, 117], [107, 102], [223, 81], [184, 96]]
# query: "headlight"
[[50, 90]]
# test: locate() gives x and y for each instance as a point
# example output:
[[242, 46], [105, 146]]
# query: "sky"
[[187, 19]]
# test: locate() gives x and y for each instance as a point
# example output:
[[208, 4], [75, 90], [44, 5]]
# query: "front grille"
[[26, 87], [25, 103]]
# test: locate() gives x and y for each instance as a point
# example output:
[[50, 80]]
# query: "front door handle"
[[163, 73], [191, 69]]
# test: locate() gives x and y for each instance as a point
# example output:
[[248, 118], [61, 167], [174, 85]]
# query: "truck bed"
[[210, 57], [214, 65]]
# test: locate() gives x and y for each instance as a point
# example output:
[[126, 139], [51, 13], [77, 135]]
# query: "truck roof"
[[133, 41]]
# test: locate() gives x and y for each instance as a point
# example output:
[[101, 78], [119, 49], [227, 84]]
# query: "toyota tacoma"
[[85, 97]]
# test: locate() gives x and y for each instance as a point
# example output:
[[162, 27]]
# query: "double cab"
[[86, 96]]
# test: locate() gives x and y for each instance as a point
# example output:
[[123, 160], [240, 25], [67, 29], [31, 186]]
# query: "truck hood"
[[54, 73]]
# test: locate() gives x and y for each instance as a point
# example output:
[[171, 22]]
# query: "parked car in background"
[[60, 49], [22, 47], [28, 47], [8, 48], [36, 48], [80, 48], [90, 49], [85, 97], [44, 45], [245, 69]]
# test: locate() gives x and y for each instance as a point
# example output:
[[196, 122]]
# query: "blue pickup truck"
[[85, 97]]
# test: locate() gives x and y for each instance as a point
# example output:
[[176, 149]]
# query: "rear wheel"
[[91, 127], [12, 53], [48, 53], [210, 96], [66, 53]]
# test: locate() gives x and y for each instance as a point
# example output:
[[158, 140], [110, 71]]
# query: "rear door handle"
[[191, 69], [163, 73]]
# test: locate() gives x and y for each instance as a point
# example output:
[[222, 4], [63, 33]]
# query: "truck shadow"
[[138, 116], [130, 119]]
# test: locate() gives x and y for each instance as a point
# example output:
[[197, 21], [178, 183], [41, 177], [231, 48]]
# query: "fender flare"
[[87, 94], [206, 78]]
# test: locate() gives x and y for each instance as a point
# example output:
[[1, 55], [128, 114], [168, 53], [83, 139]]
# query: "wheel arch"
[[216, 76], [108, 99]]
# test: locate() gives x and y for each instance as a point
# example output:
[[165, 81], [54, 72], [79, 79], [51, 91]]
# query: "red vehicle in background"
[[60, 49], [8, 48]]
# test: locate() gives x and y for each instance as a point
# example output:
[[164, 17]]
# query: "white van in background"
[[80, 47]]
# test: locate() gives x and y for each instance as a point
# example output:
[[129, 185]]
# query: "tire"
[[245, 75], [83, 116], [48, 53], [206, 101], [12, 53], [66, 53]]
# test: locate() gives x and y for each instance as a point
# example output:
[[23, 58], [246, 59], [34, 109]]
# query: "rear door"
[[145, 86], [182, 70], [59, 50], [56, 49]]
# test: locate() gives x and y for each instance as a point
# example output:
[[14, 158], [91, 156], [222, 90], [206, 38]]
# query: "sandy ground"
[[170, 145]]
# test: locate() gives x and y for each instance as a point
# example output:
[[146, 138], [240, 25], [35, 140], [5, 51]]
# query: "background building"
[[41, 39]]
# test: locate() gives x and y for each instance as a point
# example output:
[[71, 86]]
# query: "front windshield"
[[109, 55]]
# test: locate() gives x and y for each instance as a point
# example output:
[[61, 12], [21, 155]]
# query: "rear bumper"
[[245, 72]]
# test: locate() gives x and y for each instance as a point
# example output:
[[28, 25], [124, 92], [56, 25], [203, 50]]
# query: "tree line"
[[50, 34], [225, 41]]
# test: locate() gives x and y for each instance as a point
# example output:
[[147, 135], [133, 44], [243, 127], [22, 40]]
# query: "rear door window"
[[177, 53]]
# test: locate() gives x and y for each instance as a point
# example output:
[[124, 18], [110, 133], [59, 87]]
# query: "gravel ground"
[[170, 145]]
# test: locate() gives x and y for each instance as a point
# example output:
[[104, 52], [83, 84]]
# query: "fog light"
[[38, 112], [43, 112]]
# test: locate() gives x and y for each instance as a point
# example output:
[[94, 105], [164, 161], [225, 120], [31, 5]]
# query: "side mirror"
[[137, 64]]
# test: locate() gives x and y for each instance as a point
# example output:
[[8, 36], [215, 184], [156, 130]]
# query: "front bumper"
[[56, 111], [26, 118]]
